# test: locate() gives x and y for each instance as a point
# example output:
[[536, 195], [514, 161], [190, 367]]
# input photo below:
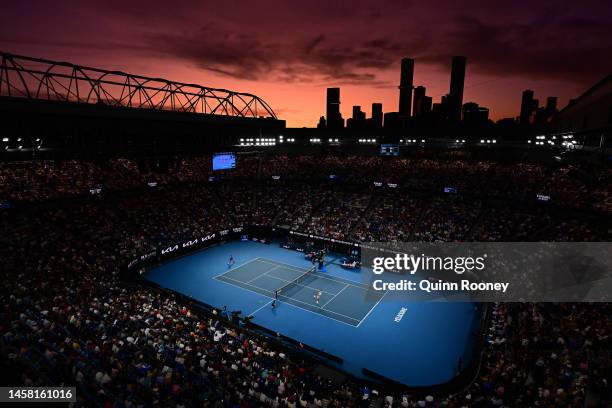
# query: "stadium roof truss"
[[41, 79]]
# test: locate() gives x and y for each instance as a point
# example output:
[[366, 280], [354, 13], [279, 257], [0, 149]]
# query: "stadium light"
[[5, 139]]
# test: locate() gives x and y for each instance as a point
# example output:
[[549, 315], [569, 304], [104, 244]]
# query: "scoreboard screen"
[[224, 161], [389, 150]]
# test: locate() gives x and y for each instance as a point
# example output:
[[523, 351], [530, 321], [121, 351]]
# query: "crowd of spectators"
[[296, 210], [504, 224], [565, 185], [392, 217], [252, 204], [337, 213], [68, 319], [447, 220]]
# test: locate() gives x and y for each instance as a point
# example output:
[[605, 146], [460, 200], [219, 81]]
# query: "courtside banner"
[[489, 272]]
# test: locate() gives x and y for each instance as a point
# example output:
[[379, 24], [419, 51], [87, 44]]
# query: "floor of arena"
[[351, 321]]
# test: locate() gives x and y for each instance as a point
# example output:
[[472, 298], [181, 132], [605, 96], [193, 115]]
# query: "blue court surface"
[[341, 299], [420, 347]]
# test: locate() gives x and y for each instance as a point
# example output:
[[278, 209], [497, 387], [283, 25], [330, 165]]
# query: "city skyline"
[[289, 54]]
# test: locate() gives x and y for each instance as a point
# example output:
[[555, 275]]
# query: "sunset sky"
[[288, 52]]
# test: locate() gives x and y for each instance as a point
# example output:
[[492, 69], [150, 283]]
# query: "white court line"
[[355, 284], [333, 280], [238, 267], [333, 297], [264, 274], [296, 300], [373, 307], [299, 284], [297, 307], [258, 309]]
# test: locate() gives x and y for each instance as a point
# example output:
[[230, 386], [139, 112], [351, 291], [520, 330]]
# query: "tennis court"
[[345, 301], [357, 325]]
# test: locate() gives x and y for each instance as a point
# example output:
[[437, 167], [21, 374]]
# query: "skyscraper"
[[377, 115], [551, 104], [456, 88], [426, 106], [405, 87], [358, 114], [359, 118], [322, 123], [526, 107], [333, 116], [418, 104], [474, 114], [544, 114]]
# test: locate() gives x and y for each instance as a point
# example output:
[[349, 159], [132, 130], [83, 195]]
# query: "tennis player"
[[231, 261], [317, 296]]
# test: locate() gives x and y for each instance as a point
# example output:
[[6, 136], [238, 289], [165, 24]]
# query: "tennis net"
[[295, 282]]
